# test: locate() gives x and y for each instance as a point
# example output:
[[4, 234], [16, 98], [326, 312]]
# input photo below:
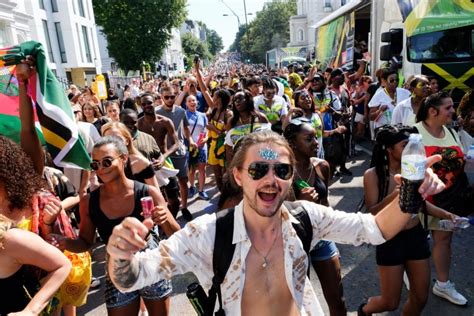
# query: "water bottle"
[[457, 224], [413, 173], [469, 166]]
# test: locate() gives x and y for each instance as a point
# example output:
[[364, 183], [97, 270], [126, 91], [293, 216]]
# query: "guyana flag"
[[55, 120]]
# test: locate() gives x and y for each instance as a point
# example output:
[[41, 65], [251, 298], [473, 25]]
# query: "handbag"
[[458, 198]]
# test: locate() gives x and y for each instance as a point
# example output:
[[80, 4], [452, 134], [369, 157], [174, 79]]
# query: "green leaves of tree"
[[268, 30], [138, 31]]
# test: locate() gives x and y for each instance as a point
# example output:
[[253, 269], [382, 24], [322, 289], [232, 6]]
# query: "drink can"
[[147, 206]]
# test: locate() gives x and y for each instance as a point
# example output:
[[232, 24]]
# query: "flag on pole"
[[53, 110]]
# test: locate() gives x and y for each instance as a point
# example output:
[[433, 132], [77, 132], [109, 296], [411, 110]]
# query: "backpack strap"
[[304, 229], [222, 257]]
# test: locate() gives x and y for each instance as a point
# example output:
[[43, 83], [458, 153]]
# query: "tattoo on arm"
[[125, 273]]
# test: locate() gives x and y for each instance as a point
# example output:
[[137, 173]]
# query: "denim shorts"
[[115, 299], [323, 251]]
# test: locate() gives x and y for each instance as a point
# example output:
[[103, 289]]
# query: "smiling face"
[[191, 103], [113, 112], [445, 111], [265, 195], [116, 169], [422, 88], [147, 104]]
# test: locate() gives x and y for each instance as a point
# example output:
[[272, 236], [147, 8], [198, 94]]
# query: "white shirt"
[[403, 113], [191, 249], [279, 106], [382, 98]]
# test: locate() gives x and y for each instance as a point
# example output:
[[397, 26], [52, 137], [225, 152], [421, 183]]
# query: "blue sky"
[[211, 12]]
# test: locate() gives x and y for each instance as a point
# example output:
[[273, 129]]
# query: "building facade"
[[309, 12]]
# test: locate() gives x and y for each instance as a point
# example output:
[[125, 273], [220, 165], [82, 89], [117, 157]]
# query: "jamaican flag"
[[53, 111]]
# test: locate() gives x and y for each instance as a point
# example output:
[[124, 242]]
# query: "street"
[[359, 271]]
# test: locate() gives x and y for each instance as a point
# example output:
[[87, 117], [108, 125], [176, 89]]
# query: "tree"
[[214, 42], [236, 45], [268, 30], [138, 31], [193, 46]]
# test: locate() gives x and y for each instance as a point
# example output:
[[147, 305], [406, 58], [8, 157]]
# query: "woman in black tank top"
[[311, 183]]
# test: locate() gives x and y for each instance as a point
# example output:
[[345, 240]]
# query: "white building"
[[65, 28], [309, 12]]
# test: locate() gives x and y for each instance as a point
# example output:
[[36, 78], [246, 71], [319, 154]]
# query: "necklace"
[[394, 99], [247, 120], [265, 261], [310, 174]]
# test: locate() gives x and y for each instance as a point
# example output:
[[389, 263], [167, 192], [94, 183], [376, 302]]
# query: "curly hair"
[[17, 175]]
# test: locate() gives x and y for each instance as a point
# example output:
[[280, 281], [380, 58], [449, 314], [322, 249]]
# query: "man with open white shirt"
[[385, 99], [267, 275]]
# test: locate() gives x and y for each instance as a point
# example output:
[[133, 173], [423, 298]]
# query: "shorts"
[[171, 190], [359, 118], [115, 299], [181, 164], [201, 156], [323, 251], [410, 244]]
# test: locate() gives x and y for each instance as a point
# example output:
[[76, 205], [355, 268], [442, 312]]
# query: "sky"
[[211, 12]]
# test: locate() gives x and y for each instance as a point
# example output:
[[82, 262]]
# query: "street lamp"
[[238, 19]]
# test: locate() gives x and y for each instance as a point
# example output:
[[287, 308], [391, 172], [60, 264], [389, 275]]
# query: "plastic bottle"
[[413, 173], [459, 223], [469, 166]]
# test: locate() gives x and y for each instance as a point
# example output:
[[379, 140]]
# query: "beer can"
[[147, 206]]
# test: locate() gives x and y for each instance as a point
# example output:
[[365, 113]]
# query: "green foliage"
[[138, 31], [214, 42], [268, 30], [236, 45], [193, 46]]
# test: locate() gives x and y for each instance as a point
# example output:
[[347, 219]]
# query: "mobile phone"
[[196, 59]]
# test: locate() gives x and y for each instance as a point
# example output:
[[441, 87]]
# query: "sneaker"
[[95, 282], [192, 191], [345, 172], [449, 292], [186, 214], [203, 195]]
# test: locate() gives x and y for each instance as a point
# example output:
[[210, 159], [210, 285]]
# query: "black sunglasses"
[[258, 170], [393, 80], [147, 103], [167, 97], [105, 163]]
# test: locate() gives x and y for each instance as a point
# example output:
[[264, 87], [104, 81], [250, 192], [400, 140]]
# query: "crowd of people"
[[261, 137]]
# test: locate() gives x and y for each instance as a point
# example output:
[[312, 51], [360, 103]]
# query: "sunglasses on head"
[[168, 97], [105, 163], [258, 170]]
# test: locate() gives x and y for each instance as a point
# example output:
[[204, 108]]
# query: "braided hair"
[[387, 136]]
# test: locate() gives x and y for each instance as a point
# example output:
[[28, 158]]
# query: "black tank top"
[[146, 173], [318, 185], [13, 297], [104, 224]]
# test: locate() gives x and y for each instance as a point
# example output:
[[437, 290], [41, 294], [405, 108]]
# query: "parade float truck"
[[430, 37]]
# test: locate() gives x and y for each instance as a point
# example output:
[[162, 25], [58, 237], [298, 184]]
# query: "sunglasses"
[[393, 80], [147, 103], [168, 97], [258, 170], [105, 163]]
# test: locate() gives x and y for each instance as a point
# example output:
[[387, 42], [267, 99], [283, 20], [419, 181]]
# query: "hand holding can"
[[147, 206]]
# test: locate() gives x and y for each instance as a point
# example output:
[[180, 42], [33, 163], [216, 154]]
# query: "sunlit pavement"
[[359, 271]]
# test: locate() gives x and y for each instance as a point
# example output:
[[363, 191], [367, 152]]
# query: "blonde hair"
[[124, 132]]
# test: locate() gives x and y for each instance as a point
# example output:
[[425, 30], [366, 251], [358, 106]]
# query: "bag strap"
[[195, 123], [304, 228], [222, 256]]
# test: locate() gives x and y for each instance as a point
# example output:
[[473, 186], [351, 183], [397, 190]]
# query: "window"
[[343, 2], [48, 41], [327, 4], [80, 43], [62, 49], [54, 6], [86, 44], [80, 5], [448, 45], [41, 4], [300, 35]]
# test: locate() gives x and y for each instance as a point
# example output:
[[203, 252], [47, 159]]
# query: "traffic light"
[[394, 48]]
